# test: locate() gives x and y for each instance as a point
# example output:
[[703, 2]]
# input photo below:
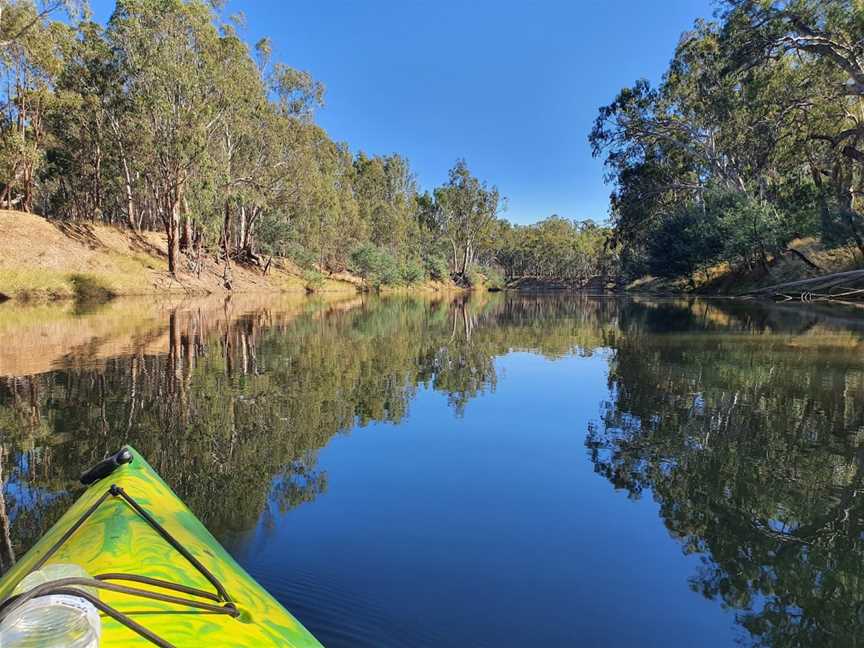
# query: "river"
[[499, 470]]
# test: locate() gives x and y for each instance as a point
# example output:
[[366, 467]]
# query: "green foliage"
[[88, 288], [313, 280], [164, 118], [300, 255], [474, 278], [682, 244], [557, 248], [752, 229], [726, 227], [386, 191], [412, 272], [486, 276], [493, 277], [753, 132], [466, 213], [633, 262], [435, 265], [376, 266]]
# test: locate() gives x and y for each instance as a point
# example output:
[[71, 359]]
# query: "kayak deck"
[[115, 538]]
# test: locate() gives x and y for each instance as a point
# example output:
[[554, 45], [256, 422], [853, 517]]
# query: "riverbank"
[[803, 260], [806, 270], [41, 260], [46, 260]]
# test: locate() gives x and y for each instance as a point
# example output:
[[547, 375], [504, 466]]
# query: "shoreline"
[[46, 297], [47, 261]]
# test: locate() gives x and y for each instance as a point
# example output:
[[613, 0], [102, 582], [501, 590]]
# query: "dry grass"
[[46, 260]]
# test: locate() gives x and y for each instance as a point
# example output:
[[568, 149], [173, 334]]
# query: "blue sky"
[[513, 87]]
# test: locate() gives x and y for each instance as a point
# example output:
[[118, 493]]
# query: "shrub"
[[412, 272], [390, 274], [729, 227], [89, 288], [634, 261], [684, 242], [375, 265], [474, 278], [314, 280], [494, 277], [298, 254], [488, 276], [751, 229], [436, 267]]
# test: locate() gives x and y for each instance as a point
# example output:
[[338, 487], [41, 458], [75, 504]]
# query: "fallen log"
[[847, 285]]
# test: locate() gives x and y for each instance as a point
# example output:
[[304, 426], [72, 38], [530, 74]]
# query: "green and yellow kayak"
[[162, 576]]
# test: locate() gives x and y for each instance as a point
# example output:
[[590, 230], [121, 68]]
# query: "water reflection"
[[753, 447], [230, 405], [744, 422]]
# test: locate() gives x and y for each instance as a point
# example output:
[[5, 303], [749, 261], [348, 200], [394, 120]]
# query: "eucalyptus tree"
[[274, 120], [557, 249], [824, 41], [713, 148], [317, 213], [15, 23], [89, 153], [30, 60], [171, 56], [334, 210], [167, 118], [239, 154], [385, 190], [467, 211]]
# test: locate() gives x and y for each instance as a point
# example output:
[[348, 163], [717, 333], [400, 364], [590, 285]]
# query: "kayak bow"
[[161, 577]]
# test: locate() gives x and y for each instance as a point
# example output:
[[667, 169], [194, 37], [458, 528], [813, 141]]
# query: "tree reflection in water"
[[752, 443], [744, 422]]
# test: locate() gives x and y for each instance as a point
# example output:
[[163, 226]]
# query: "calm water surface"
[[500, 471]]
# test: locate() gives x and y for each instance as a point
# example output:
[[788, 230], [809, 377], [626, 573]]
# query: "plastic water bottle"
[[55, 621]]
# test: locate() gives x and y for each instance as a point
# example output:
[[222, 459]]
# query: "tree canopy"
[[166, 118], [752, 138]]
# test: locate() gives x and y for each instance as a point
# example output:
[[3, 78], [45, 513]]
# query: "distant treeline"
[[165, 118], [754, 137]]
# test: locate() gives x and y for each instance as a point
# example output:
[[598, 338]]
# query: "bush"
[[750, 229], [298, 254], [89, 288], [488, 276], [412, 272], [390, 274], [474, 278], [314, 280], [437, 268], [494, 277], [375, 265], [729, 227], [634, 261]]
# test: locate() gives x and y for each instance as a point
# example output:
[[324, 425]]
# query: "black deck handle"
[[106, 466]]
